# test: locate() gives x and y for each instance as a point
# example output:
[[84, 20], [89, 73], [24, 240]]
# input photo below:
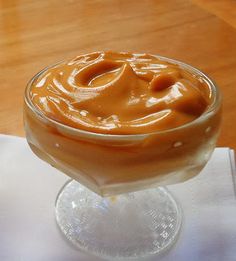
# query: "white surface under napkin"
[[28, 188]]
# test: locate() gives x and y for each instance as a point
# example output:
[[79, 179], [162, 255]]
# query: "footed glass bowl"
[[114, 206]]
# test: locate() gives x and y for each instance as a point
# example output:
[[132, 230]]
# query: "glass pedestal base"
[[129, 225]]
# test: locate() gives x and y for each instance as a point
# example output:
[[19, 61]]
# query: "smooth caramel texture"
[[120, 93]]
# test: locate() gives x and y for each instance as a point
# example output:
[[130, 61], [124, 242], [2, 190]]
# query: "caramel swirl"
[[120, 93]]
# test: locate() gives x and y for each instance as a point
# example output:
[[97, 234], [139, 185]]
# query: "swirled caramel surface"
[[120, 93]]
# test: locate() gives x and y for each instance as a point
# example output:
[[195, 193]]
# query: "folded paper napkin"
[[28, 231]]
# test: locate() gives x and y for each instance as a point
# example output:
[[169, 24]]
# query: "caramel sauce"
[[120, 93]]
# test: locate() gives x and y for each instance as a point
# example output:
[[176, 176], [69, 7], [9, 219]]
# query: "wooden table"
[[36, 33]]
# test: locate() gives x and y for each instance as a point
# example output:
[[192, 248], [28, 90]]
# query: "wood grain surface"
[[225, 9], [34, 34]]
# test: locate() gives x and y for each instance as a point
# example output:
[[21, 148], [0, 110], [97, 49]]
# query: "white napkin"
[[28, 188]]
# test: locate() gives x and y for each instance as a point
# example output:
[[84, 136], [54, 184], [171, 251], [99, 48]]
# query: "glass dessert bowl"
[[113, 157]]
